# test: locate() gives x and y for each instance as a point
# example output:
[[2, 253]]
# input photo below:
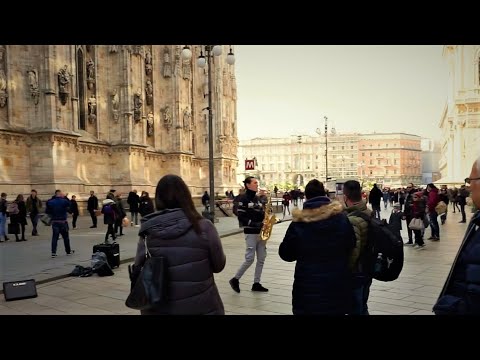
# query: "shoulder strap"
[[362, 215], [147, 253]]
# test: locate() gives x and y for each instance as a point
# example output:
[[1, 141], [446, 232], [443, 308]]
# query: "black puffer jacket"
[[320, 238], [192, 259]]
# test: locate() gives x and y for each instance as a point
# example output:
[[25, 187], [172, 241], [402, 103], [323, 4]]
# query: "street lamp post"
[[210, 51], [319, 132]]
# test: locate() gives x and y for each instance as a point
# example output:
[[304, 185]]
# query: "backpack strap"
[[362, 215]]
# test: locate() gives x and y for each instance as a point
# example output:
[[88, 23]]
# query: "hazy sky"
[[287, 90]]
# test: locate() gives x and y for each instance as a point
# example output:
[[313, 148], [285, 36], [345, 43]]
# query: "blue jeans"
[[434, 223], [3, 223], [60, 228], [361, 291], [34, 217]]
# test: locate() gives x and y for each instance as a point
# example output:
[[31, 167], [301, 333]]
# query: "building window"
[[386, 145], [371, 162], [370, 172], [395, 172], [371, 154], [81, 89], [363, 154], [351, 147]]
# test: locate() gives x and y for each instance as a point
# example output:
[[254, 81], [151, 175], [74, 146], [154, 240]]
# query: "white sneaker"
[[415, 246], [420, 247]]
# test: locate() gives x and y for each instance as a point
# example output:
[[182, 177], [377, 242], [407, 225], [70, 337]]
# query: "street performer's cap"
[[112, 190]]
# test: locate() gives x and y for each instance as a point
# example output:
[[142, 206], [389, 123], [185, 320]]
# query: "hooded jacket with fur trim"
[[320, 239]]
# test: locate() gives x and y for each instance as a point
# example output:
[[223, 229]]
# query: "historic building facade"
[[460, 120], [89, 117], [392, 159]]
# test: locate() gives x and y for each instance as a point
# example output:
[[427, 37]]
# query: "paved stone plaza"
[[414, 293]]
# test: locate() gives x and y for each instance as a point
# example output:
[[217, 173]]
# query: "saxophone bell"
[[268, 221]]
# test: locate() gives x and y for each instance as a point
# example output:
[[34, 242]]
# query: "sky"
[[287, 90]]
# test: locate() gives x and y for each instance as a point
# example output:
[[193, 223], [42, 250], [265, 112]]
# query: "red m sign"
[[249, 164]]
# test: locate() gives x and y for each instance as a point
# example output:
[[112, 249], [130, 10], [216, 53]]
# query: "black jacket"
[[249, 212], [92, 203], [133, 201], [320, 239], [461, 293]]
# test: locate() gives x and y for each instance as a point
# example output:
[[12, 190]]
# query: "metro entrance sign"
[[250, 164]]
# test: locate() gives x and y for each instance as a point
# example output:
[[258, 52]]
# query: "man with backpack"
[[378, 253], [352, 194]]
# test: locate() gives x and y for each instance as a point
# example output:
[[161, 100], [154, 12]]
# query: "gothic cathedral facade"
[[93, 117]]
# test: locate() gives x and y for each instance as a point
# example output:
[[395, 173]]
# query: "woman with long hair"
[[191, 246], [20, 218]]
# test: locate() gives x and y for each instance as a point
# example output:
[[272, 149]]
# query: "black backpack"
[[383, 255]]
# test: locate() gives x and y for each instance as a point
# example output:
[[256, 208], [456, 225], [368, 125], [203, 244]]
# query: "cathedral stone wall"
[[86, 117]]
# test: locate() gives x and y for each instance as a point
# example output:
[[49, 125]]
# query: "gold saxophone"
[[268, 221]]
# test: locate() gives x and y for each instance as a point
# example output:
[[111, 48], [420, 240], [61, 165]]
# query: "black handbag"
[[14, 228], [149, 283]]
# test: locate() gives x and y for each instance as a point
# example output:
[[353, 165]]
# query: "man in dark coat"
[[320, 239], [133, 201], [374, 199], [92, 205], [461, 293]]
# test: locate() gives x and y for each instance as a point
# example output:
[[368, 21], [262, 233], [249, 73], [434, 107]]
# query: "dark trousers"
[[60, 228], [376, 210], [418, 237], [361, 292], [409, 231], [22, 229], [134, 215], [93, 216], [462, 209], [117, 227], [34, 218], [110, 231], [74, 220], [434, 223]]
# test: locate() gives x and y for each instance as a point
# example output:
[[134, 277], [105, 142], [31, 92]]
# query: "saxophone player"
[[250, 215]]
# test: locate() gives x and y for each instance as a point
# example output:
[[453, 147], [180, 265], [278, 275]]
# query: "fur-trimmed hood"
[[323, 212]]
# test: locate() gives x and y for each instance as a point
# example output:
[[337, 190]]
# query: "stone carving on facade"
[[167, 117], [3, 78], [137, 49], [178, 51], [88, 48], [148, 62], [90, 73], [233, 83], [113, 49], [226, 83], [115, 104], [137, 106], [92, 109], [187, 119], [167, 66], [218, 80], [150, 124], [186, 70], [33, 83], [149, 92], [64, 84]]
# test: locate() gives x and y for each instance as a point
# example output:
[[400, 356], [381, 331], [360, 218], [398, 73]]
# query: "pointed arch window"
[[81, 91]]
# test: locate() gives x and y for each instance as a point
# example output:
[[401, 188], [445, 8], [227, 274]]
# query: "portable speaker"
[[17, 290]]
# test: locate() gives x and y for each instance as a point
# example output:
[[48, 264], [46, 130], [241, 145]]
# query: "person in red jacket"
[[432, 202]]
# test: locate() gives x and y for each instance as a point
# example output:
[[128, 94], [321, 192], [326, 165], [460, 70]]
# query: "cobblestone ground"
[[414, 293]]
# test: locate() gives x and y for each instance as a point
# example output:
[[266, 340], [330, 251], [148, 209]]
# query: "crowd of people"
[[327, 238]]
